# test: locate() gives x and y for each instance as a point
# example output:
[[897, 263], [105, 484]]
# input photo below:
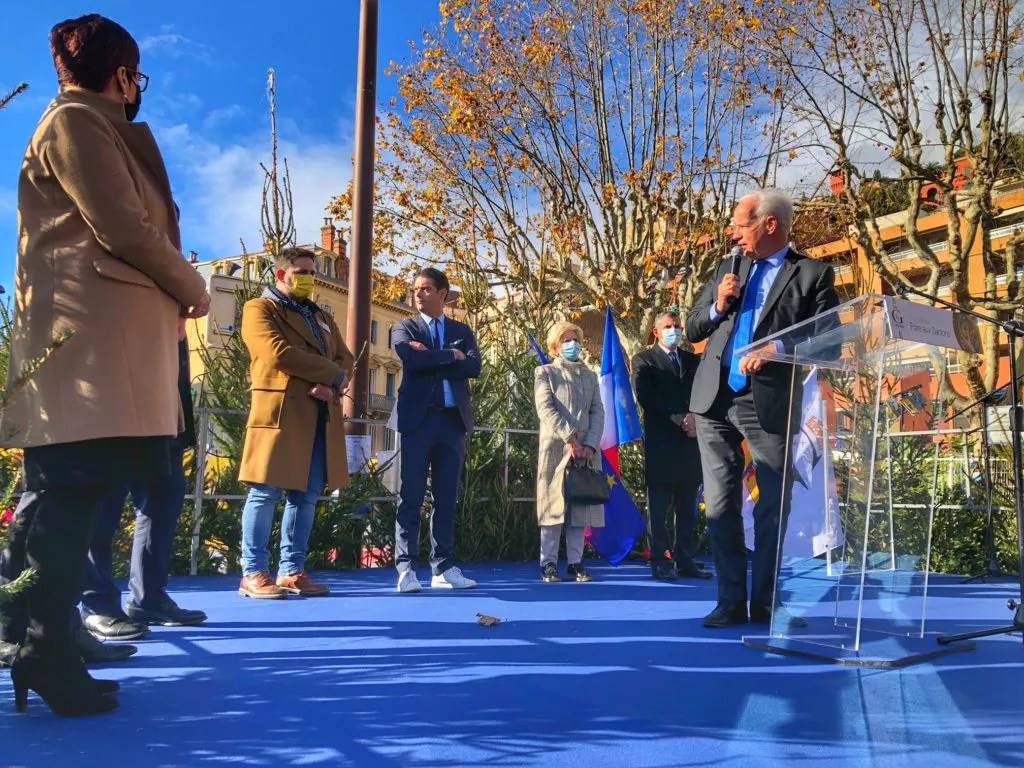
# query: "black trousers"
[[720, 433], [67, 483], [674, 500], [14, 614]]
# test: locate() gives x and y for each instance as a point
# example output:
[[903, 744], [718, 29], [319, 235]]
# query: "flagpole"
[[826, 453]]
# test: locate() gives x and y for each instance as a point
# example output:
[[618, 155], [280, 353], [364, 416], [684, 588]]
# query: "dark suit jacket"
[[802, 289], [669, 455], [424, 371], [187, 437]]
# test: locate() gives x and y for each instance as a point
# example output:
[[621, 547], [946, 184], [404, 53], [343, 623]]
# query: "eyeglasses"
[[141, 80]]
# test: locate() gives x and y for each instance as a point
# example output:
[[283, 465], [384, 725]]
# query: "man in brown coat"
[[295, 438]]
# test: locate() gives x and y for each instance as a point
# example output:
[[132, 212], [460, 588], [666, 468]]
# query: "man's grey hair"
[[667, 313], [775, 203]]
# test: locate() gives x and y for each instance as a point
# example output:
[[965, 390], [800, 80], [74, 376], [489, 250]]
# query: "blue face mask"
[[670, 337], [571, 350]]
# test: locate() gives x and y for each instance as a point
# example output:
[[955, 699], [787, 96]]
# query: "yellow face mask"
[[302, 286]]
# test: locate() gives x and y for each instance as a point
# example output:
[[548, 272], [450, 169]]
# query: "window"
[[389, 385], [952, 361], [373, 331], [391, 344], [844, 421], [373, 380]]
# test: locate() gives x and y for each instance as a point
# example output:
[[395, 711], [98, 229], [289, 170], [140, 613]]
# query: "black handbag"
[[584, 485]]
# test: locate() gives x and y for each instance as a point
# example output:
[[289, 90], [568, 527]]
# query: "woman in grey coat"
[[571, 422]]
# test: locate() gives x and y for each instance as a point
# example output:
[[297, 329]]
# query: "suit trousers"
[[720, 433], [674, 499], [437, 446], [157, 503]]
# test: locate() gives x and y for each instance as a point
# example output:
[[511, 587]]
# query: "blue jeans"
[[299, 509]]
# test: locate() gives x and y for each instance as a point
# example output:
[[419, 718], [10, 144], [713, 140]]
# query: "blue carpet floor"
[[618, 672]]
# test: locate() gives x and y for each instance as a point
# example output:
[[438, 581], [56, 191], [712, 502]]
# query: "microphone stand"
[[1014, 330]]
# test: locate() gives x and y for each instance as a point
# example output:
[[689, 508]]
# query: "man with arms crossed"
[[439, 355]]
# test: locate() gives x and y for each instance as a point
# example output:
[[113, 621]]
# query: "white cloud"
[[223, 115], [173, 45], [219, 185]]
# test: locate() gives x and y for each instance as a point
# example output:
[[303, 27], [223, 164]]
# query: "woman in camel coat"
[[571, 417], [101, 288]]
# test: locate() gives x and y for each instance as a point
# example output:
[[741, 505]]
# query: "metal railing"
[[385, 440], [380, 403], [380, 436]]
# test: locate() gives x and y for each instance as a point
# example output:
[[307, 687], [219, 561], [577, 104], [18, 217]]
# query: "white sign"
[[932, 325], [358, 451], [999, 432], [814, 526]]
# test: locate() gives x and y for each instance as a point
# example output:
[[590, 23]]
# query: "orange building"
[[855, 274]]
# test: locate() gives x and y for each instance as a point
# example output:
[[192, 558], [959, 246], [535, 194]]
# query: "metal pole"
[[826, 468], [357, 330], [870, 496], [967, 473], [202, 436], [992, 564], [888, 472], [928, 546], [505, 459], [1018, 461]]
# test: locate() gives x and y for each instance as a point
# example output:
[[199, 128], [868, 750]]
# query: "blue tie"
[[435, 332], [744, 328]]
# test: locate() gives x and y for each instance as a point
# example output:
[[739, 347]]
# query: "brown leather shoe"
[[300, 584], [260, 585]]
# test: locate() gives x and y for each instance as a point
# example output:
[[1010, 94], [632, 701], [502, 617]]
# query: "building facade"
[[856, 275]]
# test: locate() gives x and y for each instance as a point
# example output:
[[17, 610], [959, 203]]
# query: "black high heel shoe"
[[105, 687], [65, 693]]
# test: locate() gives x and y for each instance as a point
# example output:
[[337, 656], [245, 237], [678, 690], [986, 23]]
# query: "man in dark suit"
[[736, 398], [439, 355], [158, 505], [663, 376]]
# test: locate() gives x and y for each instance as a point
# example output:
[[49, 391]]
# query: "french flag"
[[623, 523]]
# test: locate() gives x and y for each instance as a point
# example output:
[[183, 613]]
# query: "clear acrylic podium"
[[862, 480]]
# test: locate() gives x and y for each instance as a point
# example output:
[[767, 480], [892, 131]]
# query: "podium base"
[[888, 652]]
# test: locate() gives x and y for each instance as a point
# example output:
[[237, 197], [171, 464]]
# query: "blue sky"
[[206, 101]]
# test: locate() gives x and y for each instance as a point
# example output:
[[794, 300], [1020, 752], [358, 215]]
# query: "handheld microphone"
[[736, 254]]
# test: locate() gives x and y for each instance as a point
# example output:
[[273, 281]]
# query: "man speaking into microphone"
[[748, 398]]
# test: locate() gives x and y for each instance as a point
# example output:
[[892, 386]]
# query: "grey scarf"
[[307, 309]]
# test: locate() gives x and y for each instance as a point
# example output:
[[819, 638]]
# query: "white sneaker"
[[407, 582], [452, 579]]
